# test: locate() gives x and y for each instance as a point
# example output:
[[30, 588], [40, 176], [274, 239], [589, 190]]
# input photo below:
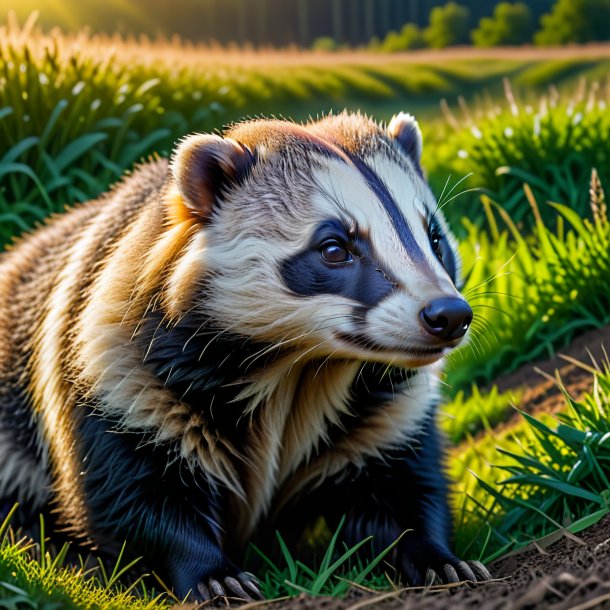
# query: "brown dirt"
[[538, 380], [587, 348]]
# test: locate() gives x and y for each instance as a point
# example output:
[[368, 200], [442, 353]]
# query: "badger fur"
[[244, 339]]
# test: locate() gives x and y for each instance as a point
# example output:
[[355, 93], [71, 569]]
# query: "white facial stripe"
[[410, 192], [344, 192]]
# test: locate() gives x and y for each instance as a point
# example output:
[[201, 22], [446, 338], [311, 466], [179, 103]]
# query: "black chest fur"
[[207, 368]]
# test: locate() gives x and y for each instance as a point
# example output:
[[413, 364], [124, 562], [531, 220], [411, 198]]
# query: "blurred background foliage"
[[356, 23]]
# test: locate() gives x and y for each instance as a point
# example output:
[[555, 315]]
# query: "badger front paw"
[[242, 587], [426, 562], [220, 579]]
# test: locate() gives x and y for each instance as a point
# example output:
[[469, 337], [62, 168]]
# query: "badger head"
[[323, 239]]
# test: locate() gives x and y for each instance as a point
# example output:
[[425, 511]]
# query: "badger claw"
[[479, 570], [432, 578], [466, 572], [250, 583], [425, 562], [237, 588], [451, 574], [216, 588], [204, 592]]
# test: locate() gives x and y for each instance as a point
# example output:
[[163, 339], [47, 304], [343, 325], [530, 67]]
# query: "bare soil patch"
[[571, 365], [539, 381]]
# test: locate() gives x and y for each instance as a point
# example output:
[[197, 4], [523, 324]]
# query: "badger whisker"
[[442, 203], [440, 197], [479, 335], [282, 343], [488, 293], [459, 194], [331, 323], [497, 274], [509, 315]]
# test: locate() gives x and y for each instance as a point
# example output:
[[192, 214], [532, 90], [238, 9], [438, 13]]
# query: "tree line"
[[512, 23], [387, 25]]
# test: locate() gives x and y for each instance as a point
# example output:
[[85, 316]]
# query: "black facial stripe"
[[398, 220], [361, 280]]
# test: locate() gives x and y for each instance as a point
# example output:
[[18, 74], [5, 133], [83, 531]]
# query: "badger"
[[244, 339]]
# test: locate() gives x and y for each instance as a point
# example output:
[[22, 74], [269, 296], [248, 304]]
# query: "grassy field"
[[76, 112]]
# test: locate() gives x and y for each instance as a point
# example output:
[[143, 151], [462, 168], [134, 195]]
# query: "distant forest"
[[258, 22]]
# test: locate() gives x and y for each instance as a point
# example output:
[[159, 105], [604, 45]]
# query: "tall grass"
[[70, 125], [31, 576], [531, 295], [474, 411], [551, 143], [77, 111]]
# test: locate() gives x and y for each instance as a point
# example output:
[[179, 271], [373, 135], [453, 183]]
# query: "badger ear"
[[204, 166], [404, 129]]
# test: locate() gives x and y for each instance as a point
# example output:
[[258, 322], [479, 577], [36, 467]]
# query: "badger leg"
[[134, 492], [415, 492], [406, 494], [23, 478]]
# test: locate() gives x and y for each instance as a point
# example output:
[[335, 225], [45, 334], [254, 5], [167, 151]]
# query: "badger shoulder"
[[45, 276]]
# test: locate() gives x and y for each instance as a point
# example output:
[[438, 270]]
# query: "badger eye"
[[437, 248], [334, 252]]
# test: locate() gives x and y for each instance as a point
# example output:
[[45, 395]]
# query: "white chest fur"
[[293, 415]]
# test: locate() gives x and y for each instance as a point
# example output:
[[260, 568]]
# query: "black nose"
[[447, 318]]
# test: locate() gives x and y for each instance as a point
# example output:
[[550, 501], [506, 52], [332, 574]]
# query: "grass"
[[531, 294], [77, 111], [474, 411], [543, 476], [550, 142], [32, 578], [339, 570]]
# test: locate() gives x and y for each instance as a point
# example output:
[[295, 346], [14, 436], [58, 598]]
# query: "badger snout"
[[446, 318]]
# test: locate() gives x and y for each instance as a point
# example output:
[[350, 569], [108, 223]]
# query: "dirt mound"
[[538, 380], [588, 348], [572, 573]]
